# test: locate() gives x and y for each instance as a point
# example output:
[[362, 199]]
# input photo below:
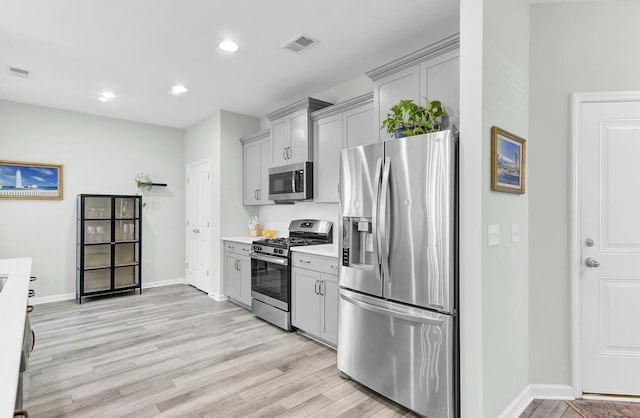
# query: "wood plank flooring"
[[549, 409], [174, 352]]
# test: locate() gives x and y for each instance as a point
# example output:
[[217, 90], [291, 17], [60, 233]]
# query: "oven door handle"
[[274, 260]]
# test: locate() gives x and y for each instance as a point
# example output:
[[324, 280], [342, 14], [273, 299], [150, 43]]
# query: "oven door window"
[[270, 279], [281, 183]]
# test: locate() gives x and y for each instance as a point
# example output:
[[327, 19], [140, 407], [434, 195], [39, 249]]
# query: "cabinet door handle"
[[284, 153], [259, 194], [334, 267], [237, 264], [231, 247], [305, 261], [288, 154], [246, 249], [316, 287], [321, 288]]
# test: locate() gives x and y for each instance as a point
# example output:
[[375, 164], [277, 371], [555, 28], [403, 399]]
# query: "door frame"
[[575, 246]]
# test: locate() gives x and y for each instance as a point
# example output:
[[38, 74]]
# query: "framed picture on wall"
[[30, 180], [508, 161]]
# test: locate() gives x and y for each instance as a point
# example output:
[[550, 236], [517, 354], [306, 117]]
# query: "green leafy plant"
[[144, 184], [143, 181], [409, 118]]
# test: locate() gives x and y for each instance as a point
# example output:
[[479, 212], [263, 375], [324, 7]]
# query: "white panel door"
[[609, 180], [198, 224]]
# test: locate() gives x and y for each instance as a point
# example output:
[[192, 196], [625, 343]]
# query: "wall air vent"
[[18, 72], [300, 43]]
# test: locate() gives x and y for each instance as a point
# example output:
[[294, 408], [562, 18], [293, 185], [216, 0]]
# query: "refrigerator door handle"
[[383, 238], [391, 312], [376, 230]]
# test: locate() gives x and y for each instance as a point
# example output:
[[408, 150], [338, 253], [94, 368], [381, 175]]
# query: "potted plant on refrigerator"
[[407, 118]]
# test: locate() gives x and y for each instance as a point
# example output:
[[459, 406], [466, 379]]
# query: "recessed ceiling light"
[[178, 90], [228, 46], [103, 99], [108, 95]]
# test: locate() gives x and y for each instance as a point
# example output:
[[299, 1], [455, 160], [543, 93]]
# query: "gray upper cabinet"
[[343, 125], [291, 133], [432, 72], [257, 160]]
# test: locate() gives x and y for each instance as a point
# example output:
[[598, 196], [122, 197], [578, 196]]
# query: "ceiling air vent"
[[300, 43], [18, 72]]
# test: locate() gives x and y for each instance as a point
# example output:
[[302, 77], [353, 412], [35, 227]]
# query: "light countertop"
[[326, 250], [13, 313], [243, 239]]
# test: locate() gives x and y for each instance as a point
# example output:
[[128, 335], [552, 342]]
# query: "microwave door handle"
[[374, 216], [293, 182], [384, 238]]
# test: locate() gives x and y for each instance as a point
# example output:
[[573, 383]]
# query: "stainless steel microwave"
[[291, 183]]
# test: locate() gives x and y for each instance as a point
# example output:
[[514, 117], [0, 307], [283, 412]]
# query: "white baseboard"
[[217, 297], [51, 299], [148, 285], [535, 391], [562, 392], [518, 404], [70, 296]]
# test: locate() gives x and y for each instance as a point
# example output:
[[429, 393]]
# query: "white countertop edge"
[[13, 312], [325, 250], [243, 239]]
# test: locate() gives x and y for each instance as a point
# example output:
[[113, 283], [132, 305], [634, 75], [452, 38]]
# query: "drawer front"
[[319, 263], [237, 248]]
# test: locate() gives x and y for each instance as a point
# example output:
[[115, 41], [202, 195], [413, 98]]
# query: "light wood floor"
[[174, 352], [549, 409]]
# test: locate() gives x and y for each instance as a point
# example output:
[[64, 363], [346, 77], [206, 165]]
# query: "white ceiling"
[[139, 49]]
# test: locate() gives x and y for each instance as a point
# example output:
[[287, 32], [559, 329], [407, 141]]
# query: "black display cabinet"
[[109, 244]]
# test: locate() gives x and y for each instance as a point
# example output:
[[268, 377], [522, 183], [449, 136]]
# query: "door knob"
[[589, 242], [590, 262]]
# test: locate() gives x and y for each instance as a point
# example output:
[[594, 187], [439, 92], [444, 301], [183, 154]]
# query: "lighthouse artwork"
[[18, 179], [30, 180]]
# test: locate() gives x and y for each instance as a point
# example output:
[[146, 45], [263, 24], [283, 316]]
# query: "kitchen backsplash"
[[278, 217]]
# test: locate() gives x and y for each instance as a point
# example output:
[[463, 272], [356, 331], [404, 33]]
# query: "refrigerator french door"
[[398, 328]]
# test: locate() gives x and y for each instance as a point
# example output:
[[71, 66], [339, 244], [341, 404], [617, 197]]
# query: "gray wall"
[[99, 155], [505, 281], [217, 138], [575, 47]]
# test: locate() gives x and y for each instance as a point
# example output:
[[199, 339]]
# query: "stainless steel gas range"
[[271, 269]]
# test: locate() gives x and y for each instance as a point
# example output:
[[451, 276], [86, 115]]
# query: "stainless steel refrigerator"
[[398, 325]]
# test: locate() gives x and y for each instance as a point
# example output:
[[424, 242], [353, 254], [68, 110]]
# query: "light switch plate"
[[493, 235], [515, 232]]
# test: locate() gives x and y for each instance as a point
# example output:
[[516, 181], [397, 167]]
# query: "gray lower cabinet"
[[237, 273], [314, 294]]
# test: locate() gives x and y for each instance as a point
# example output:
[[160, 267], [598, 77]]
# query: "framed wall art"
[[30, 180], [508, 161]]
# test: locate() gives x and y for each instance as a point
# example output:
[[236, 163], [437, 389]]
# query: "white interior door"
[[609, 230], [198, 224]]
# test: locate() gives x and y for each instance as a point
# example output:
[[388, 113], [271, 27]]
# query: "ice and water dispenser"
[[357, 249]]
